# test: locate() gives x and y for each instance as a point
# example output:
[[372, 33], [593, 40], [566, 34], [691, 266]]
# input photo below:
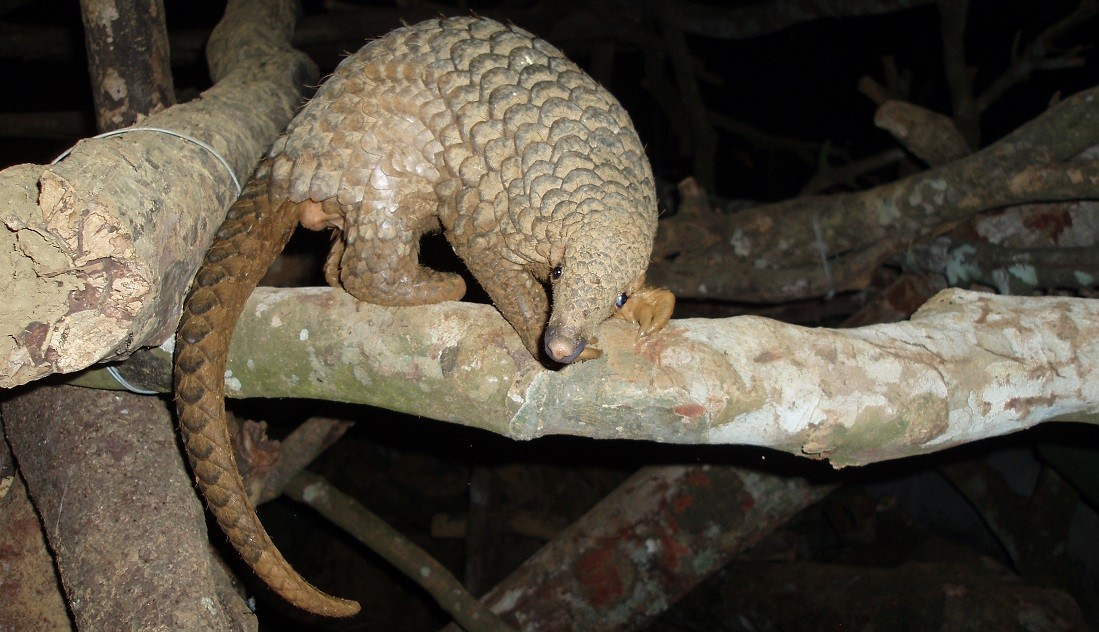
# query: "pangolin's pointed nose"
[[563, 349]]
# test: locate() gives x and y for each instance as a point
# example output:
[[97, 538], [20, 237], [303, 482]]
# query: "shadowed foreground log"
[[646, 545], [119, 511]]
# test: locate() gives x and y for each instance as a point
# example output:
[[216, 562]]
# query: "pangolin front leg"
[[516, 293]]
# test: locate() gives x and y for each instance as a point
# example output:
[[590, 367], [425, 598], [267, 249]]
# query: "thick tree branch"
[[131, 76], [85, 456], [1009, 270], [103, 244], [966, 367]]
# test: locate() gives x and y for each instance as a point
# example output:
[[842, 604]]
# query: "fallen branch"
[[120, 514], [645, 545], [1009, 270], [772, 253], [967, 366]]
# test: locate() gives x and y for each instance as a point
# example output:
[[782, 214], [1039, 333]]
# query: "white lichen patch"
[[959, 268], [740, 243], [303, 335], [231, 382], [312, 493], [507, 601], [1025, 273]]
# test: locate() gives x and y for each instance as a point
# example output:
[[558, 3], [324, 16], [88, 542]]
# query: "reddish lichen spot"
[[1051, 223], [682, 503], [698, 478], [673, 551], [747, 502], [599, 575], [689, 410]]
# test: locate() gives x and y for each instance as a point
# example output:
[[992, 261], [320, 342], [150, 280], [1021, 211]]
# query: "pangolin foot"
[[650, 307]]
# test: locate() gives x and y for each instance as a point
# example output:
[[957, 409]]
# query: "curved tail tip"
[[330, 607]]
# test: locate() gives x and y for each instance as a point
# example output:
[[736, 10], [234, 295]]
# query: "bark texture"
[[102, 245], [128, 56], [30, 594], [646, 545], [756, 258], [967, 366], [85, 456]]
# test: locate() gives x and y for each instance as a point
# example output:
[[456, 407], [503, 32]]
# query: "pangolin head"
[[600, 262]]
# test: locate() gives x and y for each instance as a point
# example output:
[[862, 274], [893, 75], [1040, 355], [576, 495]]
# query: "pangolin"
[[531, 169]]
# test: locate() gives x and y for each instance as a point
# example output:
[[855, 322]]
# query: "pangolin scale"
[[532, 170]]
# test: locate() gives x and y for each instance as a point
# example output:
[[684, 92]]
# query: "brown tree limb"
[[646, 545], [967, 366], [1030, 164], [128, 59], [32, 591], [1009, 270], [932, 137], [1037, 55], [828, 175], [300, 448], [99, 263], [119, 511], [959, 76]]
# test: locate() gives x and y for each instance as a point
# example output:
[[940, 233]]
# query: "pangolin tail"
[[256, 229]]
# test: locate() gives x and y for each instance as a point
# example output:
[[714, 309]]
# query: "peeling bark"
[[967, 366], [103, 245]]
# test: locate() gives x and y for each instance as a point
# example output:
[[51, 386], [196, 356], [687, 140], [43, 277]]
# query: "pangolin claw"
[[650, 307], [589, 353]]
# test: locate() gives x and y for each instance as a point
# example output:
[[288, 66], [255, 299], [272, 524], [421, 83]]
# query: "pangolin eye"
[[621, 300], [555, 273]]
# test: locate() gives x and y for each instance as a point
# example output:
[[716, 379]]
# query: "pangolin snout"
[[561, 347]]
